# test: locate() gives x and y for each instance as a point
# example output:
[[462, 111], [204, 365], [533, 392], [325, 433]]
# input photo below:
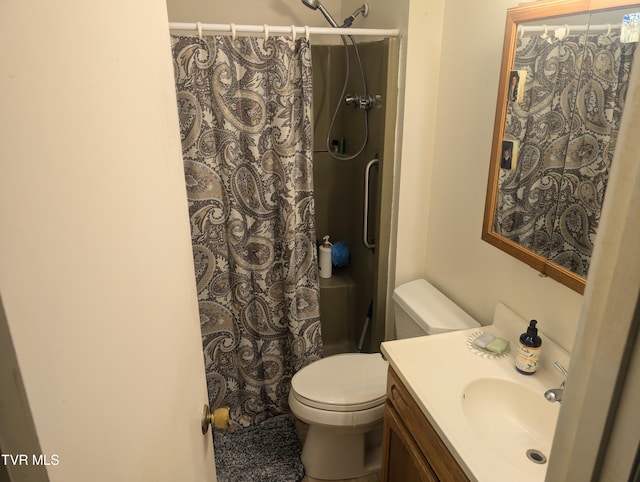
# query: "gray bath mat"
[[268, 452]]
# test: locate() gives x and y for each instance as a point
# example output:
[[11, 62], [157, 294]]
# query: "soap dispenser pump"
[[529, 350]]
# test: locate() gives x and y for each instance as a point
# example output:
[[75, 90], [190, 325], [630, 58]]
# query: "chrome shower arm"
[[364, 10]]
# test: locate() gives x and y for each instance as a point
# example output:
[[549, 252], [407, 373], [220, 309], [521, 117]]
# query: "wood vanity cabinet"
[[412, 451]]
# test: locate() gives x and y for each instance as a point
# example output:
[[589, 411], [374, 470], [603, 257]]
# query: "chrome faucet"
[[555, 394]]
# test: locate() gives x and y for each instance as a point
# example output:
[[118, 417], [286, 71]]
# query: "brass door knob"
[[219, 418]]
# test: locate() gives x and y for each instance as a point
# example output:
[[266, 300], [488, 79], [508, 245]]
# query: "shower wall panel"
[[339, 186]]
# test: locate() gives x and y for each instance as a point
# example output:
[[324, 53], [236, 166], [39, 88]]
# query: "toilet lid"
[[346, 382]]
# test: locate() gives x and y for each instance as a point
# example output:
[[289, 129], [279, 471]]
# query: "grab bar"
[[365, 224]]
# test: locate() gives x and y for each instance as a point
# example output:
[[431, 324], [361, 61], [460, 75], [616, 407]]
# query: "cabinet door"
[[402, 460], [427, 440]]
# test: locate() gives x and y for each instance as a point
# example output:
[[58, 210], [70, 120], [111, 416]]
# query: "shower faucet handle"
[[362, 101], [351, 99]]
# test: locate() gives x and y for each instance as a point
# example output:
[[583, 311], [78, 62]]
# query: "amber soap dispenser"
[[529, 350]]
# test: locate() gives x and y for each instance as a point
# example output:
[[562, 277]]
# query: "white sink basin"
[[487, 414], [511, 418]]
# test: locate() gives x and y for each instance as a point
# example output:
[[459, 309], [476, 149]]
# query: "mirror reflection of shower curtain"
[[566, 124], [598, 103], [245, 121]]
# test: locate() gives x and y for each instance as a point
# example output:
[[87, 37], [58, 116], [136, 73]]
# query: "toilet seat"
[[342, 383], [363, 419]]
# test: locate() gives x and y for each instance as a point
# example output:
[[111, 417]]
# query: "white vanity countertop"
[[436, 369]]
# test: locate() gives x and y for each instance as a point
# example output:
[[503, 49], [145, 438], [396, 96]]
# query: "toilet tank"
[[421, 309]]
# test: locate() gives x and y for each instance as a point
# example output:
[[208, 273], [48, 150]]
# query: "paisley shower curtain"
[[567, 125], [245, 122]]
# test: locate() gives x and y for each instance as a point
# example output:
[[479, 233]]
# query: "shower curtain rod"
[[233, 29], [572, 28]]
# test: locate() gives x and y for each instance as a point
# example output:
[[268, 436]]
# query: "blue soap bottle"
[[529, 350]]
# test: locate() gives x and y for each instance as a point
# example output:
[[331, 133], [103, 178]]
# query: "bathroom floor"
[[302, 428]]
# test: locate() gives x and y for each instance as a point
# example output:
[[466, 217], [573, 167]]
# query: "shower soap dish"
[[488, 346]]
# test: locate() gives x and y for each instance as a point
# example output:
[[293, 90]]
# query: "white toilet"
[[342, 397]]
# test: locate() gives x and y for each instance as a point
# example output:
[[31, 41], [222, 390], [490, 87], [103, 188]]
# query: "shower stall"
[[353, 197], [353, 108], [355, 98]]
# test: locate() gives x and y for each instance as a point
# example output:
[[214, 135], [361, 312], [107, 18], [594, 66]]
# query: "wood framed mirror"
[[563, 79]]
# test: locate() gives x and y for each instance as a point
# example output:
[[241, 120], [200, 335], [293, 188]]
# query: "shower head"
[[316, 5]]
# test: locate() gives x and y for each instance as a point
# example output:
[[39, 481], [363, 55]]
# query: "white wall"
[[382, 13], [444, 188], [272, 12], [96, 270], [417, 136]]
